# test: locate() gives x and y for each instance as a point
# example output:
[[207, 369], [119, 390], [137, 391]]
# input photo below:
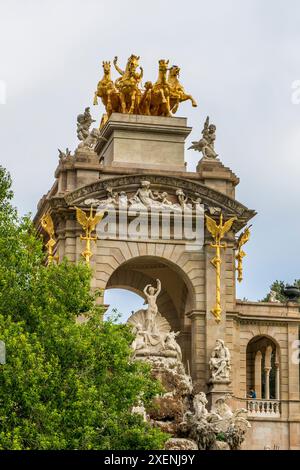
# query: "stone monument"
[[135, 162], [180, 410]]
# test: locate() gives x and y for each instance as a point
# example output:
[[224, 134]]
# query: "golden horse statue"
[[125, 95], [107, 91], [177, 93], [145, 102], [160, 96], [128, 84]]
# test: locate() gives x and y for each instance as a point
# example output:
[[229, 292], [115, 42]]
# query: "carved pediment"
[[163, 184], [212, 200]]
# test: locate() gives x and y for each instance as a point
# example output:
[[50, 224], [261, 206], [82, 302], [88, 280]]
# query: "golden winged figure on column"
[[88, 223], [218, 232], [48, 225], [243, 238]]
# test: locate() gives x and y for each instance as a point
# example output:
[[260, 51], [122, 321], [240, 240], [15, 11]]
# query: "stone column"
[[257, 373], [277, 381], [267, 383], [198, 347], [268, 367], [217, 330]]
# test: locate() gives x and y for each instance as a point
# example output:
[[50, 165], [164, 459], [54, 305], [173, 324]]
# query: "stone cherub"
[[220, 363], [206, 144]]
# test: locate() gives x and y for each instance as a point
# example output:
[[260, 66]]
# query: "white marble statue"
[[151, 294], [273, 297], [172, 345], [220, 362], [183, 200], [123, 200], [154, 337], [84, 122], [141, 340], [222, 409], [90, 141], [145, 197], [199, 404]]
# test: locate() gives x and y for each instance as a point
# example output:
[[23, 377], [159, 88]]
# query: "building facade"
[[135, 152]]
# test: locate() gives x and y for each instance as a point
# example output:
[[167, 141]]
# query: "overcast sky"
[[238, 58]]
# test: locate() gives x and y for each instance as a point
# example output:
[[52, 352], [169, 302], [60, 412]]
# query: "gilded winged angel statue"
[[218, 232], [88, 223], [48, 225], [243, 238]]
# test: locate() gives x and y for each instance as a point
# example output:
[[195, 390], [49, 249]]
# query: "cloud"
[[238, 59]]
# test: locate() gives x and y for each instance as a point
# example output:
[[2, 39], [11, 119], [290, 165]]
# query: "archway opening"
[[122, 302], [175, 300], [263, 373]]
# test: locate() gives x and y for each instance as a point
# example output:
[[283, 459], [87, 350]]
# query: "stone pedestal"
[[151, 142], [217, 176], [217, 390]]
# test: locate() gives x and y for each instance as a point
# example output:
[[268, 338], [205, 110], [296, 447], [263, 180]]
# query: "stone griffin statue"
[[220, 362], [206, 144]]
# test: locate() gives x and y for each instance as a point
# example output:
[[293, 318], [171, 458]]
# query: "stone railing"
[[260, 408]]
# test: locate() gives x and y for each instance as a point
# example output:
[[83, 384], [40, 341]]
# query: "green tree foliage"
[[65, 384]]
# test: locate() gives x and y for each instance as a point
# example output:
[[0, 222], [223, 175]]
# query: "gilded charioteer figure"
[[128, 84]]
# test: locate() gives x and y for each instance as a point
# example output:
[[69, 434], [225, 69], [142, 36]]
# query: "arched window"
[[263, 374]]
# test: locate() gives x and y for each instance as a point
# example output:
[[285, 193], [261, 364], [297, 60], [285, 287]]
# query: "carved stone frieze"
[[192, 190]]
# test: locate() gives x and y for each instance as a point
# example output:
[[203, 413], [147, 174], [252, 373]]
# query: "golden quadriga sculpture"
[[126, 95]]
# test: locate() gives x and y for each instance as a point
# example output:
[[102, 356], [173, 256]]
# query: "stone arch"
[[176, 297], [189, 266], [262, 366]]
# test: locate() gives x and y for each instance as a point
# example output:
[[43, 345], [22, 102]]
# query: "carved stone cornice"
[[263, 320]]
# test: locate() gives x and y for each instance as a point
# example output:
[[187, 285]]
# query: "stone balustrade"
[[263, 408]]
